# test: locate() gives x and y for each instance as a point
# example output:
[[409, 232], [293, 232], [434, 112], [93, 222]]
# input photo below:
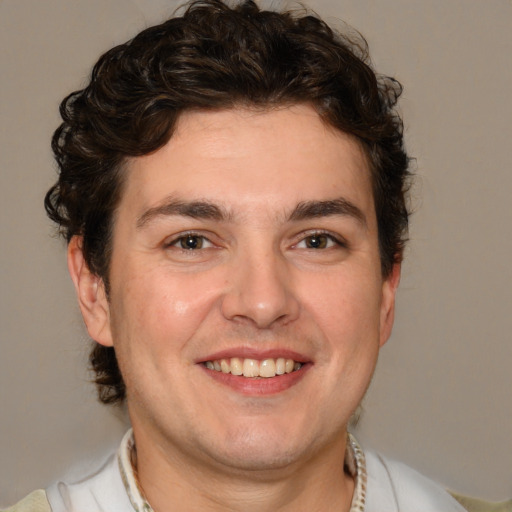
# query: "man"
[[232, 190]]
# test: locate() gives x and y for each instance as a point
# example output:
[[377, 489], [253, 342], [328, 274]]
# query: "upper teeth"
[[253, 367]]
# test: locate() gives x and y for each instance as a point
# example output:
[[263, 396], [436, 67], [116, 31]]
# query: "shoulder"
[[395, 487], [101, 491], [35, 502], [476, 505]]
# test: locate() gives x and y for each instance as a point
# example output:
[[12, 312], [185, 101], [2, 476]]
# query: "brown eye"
[[191, 242], [317, 241]]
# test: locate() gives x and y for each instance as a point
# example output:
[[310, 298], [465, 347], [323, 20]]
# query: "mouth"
[[256, 372], [254, 368]]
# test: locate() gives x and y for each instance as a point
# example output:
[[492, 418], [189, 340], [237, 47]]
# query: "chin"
[[250, 449], [255, 460]]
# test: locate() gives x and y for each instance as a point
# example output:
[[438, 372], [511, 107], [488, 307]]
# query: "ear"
[[90, 291], [387, 307]]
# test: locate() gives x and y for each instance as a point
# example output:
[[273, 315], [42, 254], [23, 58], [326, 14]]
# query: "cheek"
[[157, 308], [345, 302], [347, 311]]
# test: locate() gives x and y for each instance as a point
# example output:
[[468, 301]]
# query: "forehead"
[[246, 159]]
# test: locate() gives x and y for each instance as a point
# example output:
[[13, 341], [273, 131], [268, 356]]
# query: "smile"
[[254, 368]]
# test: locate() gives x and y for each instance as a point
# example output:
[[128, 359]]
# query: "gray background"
[[441, 399]]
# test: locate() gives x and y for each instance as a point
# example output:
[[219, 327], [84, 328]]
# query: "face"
[[247, 306]]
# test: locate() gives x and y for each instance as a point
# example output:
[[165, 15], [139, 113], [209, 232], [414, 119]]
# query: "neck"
[[170, 480]]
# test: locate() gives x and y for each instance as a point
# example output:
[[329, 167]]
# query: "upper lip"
[[254, 353]]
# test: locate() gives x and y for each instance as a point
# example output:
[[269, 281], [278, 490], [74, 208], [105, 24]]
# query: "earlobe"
[[91, 294], [387, 311]]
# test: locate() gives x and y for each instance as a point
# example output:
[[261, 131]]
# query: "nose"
[[260, 291]]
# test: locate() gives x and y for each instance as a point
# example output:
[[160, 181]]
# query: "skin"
[[268, 278]]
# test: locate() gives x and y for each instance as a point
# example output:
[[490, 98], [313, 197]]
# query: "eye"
[[319, 241], [190, 242]]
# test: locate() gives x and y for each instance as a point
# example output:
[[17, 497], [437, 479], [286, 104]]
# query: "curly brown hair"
[[217, 57]]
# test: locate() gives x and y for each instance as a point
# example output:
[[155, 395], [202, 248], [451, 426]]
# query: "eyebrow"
[[193, 209], [340, 206], [206, 210]]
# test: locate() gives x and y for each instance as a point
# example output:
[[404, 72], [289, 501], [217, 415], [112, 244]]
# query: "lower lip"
[[260, 385]]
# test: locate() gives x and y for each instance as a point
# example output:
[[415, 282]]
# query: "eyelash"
[[175, 241], [338, 241]]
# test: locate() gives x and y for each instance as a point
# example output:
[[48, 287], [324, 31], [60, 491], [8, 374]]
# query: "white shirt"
[[381, 485]]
